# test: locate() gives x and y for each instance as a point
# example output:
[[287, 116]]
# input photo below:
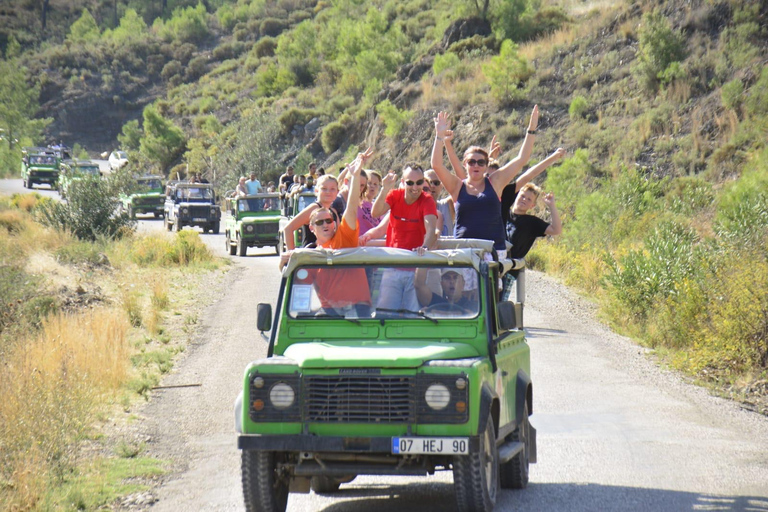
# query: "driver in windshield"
[[452, 284]]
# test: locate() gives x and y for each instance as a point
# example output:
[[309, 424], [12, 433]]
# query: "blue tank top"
[[480, 216]]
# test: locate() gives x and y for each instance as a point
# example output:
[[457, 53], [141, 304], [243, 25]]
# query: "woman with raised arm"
[[477, 198], [326, 190]]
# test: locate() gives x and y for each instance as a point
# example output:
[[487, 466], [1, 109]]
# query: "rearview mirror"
[[510, 315], [264, 317]]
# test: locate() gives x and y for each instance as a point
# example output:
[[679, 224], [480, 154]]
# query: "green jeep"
[[38, 166], [147, 195], [71, 171], [351, 388], [252, 222]]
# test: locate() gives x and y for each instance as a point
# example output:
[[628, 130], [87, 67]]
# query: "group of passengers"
[[483, 200]]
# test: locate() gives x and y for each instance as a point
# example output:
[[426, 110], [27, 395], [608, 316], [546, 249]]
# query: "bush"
[[579, 108], [732, 94], [394, 118], [196, 68], [506, 73], [265, 47], [187, 24], [170, 70], [294, 116], [443, 62], [659, 47], [271, 27], [333, 136], [89, 212]]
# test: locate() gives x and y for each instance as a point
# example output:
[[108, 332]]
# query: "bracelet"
[[439, 138], [531, 132]]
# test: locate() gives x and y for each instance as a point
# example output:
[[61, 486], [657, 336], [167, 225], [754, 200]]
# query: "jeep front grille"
[[148, 201], [200, 211], [359, 399], [271, 227]]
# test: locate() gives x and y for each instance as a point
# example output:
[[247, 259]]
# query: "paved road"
[[615, 431]]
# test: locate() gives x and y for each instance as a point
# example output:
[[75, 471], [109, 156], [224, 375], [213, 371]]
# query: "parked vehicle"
[[39, 166], [146, 196], [72, 171], [191, 204], [295, 205], [351, 388], [253, 221], [117, 160]]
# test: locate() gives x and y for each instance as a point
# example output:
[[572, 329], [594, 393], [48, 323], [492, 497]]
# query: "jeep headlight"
[[185, 211], [282, 395], [213, 211], [249, 229], [437, 396]]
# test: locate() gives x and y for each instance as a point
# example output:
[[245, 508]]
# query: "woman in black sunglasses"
[[478, 207]]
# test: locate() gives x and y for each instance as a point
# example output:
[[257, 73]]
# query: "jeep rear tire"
[[265, 489], [476, 476], [514, 474], [231, 249], [166, 223], [215, 227], [242, 247]]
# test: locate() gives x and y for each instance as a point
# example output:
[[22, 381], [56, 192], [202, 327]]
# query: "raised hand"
[[389, 180], [494, 149], [442, 125], [559, 153], [549, 200], [534, 122]]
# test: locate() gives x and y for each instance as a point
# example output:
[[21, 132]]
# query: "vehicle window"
[[92, 170], [258, 204], [304, 201], [195, 193], [367, 291], [143, 185]]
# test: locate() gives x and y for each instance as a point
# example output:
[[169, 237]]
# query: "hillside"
[[662, 106]]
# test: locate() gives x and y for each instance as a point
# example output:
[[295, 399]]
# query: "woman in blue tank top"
[[478, 207]]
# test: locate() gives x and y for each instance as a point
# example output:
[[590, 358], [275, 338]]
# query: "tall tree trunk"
[[485, 10], [114, 14], [165, 6], [44, 16]]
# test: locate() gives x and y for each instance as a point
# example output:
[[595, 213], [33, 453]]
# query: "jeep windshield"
[[147, 185], [195, 194], [383, 292], [91, 170], [259, 204], [42, 160]]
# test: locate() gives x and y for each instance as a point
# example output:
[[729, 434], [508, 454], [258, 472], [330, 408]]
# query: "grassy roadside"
[[86, 330]]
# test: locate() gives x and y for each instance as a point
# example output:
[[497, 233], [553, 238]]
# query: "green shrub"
[[394, 119], [507, 73], [228, 51], [271, 27], [196, 68], [333, 136], [579, 108], [294, 116], [742, 211], [81, 253], [89, 212], [732, 94], [85, 29], [756, 102], [443, 62], [171, 69], [265, 47], [186, 24], [689, 195], [659, 47], [641, 278], [475, 45]]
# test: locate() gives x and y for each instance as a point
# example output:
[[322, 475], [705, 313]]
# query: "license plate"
[[430, 445], [199, 219]]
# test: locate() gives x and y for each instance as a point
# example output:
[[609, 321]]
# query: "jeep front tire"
[[476, 476], [265, 489]]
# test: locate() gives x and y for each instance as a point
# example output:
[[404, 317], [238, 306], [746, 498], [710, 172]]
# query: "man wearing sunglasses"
[[412, 223]]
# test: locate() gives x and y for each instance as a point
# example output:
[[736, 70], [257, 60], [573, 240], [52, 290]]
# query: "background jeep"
[[351, 388], [71, 171], [253, 221], [38, 166], [146, 197], [191, 204]]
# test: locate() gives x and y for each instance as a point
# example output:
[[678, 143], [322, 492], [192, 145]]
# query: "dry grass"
[[51, 385]]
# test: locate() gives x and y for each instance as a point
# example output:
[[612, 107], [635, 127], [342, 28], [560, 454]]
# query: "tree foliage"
[[507, 72], [85, 29], [162, 141]]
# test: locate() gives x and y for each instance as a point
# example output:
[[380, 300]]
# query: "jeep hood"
[[386, 354]]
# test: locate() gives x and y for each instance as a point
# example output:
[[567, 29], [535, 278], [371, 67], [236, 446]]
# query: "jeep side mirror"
[[264, 317], [510, 315]]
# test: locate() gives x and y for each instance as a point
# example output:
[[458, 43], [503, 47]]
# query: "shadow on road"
[[553, 497]]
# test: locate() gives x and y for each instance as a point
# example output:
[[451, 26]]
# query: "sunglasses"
[[320, 222], [417, 182], [435, 183], [480, 162]]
